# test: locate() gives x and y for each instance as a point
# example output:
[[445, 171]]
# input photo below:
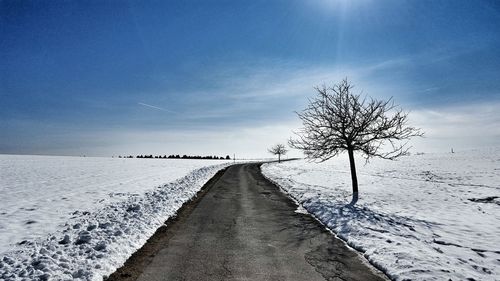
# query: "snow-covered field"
[[424, 217], [65, 218]]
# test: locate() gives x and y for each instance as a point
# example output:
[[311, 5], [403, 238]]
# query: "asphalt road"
[[243, 228]]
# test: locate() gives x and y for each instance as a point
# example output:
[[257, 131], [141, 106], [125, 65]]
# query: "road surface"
[[241, 227]]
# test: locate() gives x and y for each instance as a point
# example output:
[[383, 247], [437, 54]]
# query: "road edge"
[[137, 262], [372, 266]]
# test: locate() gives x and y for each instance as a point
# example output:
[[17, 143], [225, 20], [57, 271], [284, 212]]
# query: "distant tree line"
[[210, 157]]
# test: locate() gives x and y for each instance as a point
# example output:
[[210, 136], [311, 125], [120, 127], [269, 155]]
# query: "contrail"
[[155, 107]]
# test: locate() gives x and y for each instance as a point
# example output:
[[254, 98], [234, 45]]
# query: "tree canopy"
[[338, 120]]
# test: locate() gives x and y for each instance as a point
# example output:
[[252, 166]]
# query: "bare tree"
[[278, 149], [337, 120]]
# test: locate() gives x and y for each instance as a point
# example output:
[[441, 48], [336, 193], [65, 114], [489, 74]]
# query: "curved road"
[[243, 228]]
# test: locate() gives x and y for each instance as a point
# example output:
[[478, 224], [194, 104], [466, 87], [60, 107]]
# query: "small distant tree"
[[338, 120], [278, 149]]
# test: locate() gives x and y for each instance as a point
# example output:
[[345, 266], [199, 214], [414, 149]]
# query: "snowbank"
[[39, 194], [424, 217], [93, 243]]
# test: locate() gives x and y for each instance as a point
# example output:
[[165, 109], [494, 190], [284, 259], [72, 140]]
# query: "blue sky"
[[224, 77]]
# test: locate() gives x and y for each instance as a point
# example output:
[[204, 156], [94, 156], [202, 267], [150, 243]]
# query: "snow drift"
[[93, 243]]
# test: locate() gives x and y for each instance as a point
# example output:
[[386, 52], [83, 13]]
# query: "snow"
[[424, 217], [66, 218]]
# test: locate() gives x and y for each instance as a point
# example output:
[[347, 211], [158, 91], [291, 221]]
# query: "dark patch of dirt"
[[489, 199]]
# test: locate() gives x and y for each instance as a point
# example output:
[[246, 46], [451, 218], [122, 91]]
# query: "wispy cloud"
[[282, 81], [155, 107], [460, 126], [274, 91], [270, 91]]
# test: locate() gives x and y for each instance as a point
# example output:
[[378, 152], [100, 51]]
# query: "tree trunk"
[[353, 171], [279, 158]]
